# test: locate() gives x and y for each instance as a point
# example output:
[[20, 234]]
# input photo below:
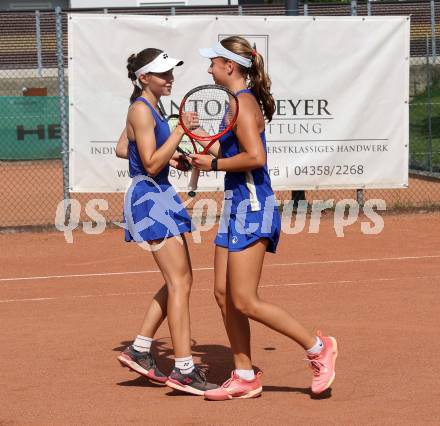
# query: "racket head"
[[216, 107], [186, 145]]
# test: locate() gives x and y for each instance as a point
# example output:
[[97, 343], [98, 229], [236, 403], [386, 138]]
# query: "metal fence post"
[[360, 197], [429, 105], [433, 44], [353, 7], [38, 41], [306, 8], [359, 192], [292, 10], [240, 9], [62, 106], [369, 7], [292, 7]]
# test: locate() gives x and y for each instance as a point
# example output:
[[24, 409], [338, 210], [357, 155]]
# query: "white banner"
[[341, 86]]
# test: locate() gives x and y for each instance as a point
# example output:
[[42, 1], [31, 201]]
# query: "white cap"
[[161, 63], [219, 51]]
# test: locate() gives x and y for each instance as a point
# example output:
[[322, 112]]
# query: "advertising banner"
[[341, 87]]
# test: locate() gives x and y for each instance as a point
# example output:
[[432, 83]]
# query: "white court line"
[[145, 293], [103, 274], [268, 265]]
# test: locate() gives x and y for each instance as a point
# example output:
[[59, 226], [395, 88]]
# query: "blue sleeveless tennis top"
[[254, 186], [162, 133], [152, 208]]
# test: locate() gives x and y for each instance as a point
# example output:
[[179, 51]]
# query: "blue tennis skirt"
[[154, 211], [240, 230]]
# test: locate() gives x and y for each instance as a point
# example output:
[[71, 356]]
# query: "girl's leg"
[[174, 262], [138, 357], [242, 279], [244, 271], [236, 324], [220, 270], [243, 382], [156, 313]]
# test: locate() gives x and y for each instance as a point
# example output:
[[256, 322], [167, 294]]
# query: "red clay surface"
[[66, 310]]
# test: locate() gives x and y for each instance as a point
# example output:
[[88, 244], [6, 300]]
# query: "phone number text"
[[335, 170]]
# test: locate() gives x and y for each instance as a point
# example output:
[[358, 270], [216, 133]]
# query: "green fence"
[[29, 128]]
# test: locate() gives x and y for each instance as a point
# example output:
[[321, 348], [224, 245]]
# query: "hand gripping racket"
[[217, 111], [186, 145]]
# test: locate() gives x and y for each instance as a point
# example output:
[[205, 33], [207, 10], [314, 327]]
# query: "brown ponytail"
[[259, 80], [135, 62]]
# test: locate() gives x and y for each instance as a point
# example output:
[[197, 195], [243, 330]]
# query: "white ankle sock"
[[317, 348], [185, 365], [142, 343], [245, 374]]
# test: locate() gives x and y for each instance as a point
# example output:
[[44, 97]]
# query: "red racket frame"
[[217, 136]]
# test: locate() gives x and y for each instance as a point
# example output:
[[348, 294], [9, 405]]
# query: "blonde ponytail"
[[258, 80], [260, 83]]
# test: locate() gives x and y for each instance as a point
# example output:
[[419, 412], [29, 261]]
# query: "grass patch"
[[419, 140]]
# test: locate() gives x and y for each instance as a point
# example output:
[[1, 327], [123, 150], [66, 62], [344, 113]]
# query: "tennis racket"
[[217, 111]]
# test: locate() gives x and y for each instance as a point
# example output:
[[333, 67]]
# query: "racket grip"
[[192, 186]]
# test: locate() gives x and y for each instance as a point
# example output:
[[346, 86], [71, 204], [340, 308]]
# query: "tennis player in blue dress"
[[250, 224], [155, 217]]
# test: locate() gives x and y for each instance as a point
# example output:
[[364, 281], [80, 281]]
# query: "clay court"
[[67, 310]]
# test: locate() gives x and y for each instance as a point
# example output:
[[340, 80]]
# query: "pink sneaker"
[[236, 388], [323, 364]]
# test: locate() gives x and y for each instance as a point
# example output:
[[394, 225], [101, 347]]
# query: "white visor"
[[219, 51], [160, 64]]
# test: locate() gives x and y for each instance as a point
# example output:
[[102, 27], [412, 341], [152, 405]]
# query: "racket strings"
[[215, 109]]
